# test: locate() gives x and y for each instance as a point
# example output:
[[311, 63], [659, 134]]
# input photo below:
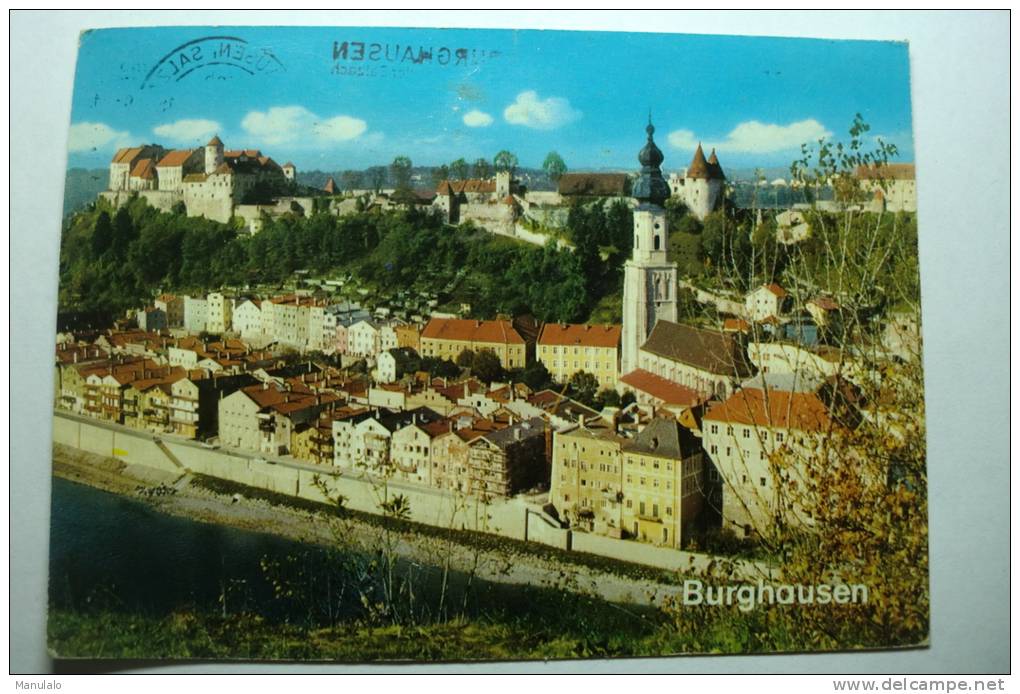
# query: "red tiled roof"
[[576, 334], [176, 157], [825, 303], [699, 167], [472, 185], [775, 289], [495, 331], [125, 155], [143, 169], [215, 141], [736, 325], [901, 172], [776, 408], [661, 389]]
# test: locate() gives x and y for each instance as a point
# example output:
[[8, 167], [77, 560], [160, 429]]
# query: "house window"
[[762, 481], [642, 508], [630, 503], [747, 433], [669, 510], [713, 449], [729, 431], [779, 437], [655, 510]]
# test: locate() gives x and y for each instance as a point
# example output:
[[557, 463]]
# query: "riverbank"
[[487, 557]]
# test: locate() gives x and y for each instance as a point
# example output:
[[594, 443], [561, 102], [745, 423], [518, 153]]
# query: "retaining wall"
[[513, 518]]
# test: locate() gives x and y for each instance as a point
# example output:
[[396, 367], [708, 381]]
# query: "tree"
[[486, 367], [439, 174], [583, 387], [554, 166], [350, 180], [607, 397], [482, 169], [459, 169], [536, 376], [377, 177], [848, 499], [400, 173], [466, 358], [102, 234], [505, 161]]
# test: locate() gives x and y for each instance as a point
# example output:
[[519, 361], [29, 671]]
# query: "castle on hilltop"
[[700, 186], [211, 181]]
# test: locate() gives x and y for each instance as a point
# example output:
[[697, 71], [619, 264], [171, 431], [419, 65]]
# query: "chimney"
[[466, 391]]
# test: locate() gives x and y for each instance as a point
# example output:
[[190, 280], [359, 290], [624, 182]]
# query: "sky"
[[338, 98]]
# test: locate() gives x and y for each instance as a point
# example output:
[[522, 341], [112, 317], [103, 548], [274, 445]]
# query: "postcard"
[[449, 345]]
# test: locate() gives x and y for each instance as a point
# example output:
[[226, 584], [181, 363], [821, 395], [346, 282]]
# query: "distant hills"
[[82, 186]]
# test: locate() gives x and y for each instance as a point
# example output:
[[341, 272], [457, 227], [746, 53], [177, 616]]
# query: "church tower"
[[649, 279]]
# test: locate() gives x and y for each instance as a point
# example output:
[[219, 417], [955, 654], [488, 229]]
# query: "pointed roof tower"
[[699, 167], [330, 186], [714, 170], [650, 186], [215, 142]]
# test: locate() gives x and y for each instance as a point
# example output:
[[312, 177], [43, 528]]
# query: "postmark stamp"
[[212, 57]]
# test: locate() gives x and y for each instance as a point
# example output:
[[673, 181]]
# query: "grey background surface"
[[960, 88]]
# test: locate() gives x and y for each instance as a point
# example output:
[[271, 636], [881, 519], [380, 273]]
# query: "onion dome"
[[650, 186]]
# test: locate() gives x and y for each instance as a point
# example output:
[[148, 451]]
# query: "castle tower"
[[502, 184], [649, 279], [703, 185], [289, 171], [213, 154]]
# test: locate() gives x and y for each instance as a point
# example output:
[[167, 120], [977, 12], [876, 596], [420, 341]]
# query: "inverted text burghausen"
[[361, 51]]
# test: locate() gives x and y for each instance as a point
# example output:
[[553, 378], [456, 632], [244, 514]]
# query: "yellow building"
[[663, 483], [587, 476], [446, 338], [565, 349]]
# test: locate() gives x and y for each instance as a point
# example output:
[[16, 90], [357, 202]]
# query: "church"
[[663, 362]]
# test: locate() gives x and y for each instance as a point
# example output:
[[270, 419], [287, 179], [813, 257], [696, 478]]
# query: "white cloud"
[[755, 137], [477, 119], [88, 137], [282, 125], [543, 114], [188, 130]]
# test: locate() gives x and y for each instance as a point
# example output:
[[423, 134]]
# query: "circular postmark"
[[212, 57]]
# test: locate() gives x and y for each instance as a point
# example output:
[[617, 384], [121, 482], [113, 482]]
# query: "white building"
[[892, 184], [363, 339], [761, 446], [767, 301], [247, 320], [219, 309], [196, 314]]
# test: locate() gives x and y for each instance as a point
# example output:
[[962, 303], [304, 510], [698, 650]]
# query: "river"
[[112, 552]]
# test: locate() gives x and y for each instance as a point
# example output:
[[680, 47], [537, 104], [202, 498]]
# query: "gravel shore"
[[318, 527]]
